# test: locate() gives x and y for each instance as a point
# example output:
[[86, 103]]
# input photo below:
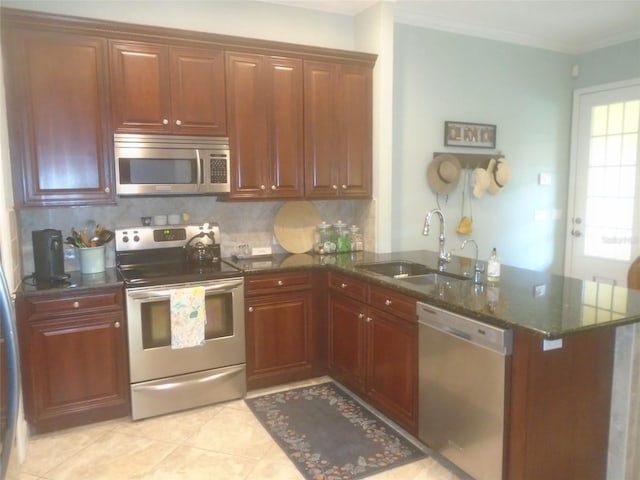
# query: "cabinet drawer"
[[52, 305], [264, 284], [347, 285], [393, 302]]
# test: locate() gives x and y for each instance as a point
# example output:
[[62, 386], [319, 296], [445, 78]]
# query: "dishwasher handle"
[[478, 333]]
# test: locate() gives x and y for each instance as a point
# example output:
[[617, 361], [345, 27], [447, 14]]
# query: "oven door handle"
[[199, 168], [186, 383], [222, 287]]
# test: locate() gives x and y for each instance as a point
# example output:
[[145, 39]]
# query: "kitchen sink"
[[436, 278], [398, 269], [411, 272]]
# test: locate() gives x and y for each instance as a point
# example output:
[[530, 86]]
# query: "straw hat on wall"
[[499, 175], [443, 173]]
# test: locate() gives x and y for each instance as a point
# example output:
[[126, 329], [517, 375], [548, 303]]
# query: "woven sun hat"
[[481, 181], [443, 173], [499, 175]]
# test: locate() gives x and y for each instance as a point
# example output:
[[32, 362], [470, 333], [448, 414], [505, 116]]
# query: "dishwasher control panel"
[[493, 338]]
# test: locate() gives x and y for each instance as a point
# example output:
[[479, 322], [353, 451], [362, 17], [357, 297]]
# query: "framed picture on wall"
[[465, 134]]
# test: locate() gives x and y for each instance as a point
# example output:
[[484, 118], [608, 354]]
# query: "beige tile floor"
[[223, 441]]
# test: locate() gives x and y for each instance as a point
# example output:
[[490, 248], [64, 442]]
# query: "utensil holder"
[[92, 259]]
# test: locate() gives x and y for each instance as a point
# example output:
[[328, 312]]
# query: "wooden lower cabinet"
[[374, 351], [558, 424], [74, 358], [278, 328]]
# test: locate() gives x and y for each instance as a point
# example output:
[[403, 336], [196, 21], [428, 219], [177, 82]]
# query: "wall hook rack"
[[472, 160]]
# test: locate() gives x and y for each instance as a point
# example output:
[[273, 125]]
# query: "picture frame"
[[466, 134]]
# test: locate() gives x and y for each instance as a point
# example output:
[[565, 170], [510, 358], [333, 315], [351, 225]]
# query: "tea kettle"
[[200, 252]]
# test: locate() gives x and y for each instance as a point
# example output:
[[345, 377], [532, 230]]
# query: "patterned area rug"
[[330, 436]]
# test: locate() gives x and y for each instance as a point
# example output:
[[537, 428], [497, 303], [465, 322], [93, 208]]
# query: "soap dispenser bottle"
[[493, 267]]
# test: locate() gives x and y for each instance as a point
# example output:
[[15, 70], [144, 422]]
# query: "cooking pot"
[[200, 252]]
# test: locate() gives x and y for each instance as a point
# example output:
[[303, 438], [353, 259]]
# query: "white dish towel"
[[188, 317]]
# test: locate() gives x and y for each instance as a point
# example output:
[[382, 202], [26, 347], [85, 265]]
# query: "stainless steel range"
[[158, 266]]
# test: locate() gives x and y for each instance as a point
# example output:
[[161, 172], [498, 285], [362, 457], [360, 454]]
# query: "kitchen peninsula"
[[559, 377]]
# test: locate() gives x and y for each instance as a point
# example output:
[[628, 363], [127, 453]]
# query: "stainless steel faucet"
[[477, 268], [443, 256]]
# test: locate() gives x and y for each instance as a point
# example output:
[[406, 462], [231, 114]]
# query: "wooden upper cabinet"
[[162, 89], [265, 112], [58, 118], [338, 130]]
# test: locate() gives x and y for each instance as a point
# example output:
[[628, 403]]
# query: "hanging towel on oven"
[[188, 317]]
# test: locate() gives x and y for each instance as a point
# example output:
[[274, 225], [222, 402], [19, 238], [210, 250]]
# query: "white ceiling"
[[575, 26]]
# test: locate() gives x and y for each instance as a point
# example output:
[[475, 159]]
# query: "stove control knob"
[[125, 239], [136, 238]]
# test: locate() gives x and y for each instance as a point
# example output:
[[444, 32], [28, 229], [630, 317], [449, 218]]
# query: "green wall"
[[611, 64], [527, 93]]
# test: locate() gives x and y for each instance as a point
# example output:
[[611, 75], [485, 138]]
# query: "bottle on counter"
[[324, 239], [357, 242], [343, 243], [493, 267]]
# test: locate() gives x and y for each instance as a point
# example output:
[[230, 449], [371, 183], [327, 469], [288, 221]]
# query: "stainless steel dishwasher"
[[462, 374]]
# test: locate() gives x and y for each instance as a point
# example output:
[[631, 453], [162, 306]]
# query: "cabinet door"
[[140, 86], [278, 333], [77, 370], [58, 118], [392, 367], [285, 130], [321, 135], [198, 105], [355, 120], [347, 341], [247, 113]]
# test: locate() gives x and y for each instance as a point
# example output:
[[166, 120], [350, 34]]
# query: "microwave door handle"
[[199, 168]]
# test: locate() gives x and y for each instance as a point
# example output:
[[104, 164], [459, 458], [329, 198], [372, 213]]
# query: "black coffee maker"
[[48, 256]]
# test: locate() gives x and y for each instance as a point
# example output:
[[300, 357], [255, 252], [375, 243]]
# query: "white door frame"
[[573, 157]]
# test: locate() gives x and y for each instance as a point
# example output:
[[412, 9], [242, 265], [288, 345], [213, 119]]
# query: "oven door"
[[149, 323]]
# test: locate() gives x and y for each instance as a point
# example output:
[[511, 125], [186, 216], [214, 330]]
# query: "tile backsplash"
[[240, 222]]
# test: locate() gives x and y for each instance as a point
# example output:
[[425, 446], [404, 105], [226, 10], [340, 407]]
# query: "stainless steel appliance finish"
[[171, 164], [462, 393], [164, 379], [153, 263], [9, 382]]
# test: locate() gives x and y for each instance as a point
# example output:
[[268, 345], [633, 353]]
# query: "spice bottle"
[[493, 267]]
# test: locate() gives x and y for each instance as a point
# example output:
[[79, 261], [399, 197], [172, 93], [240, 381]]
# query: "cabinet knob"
[[388, 302], [178, 122], [76, 304], [107, 190], [369, 319], [280, 283], [335, 187], [250, 309], [262, 187], [117, 324], [273, 187], [343, 285], [361, 316], [344, 187], [165, 121]]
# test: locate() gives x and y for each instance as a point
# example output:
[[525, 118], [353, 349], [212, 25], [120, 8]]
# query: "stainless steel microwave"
[[171, 164]]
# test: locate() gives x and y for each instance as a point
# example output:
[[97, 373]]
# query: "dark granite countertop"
[[76, 282], [566, 306]]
